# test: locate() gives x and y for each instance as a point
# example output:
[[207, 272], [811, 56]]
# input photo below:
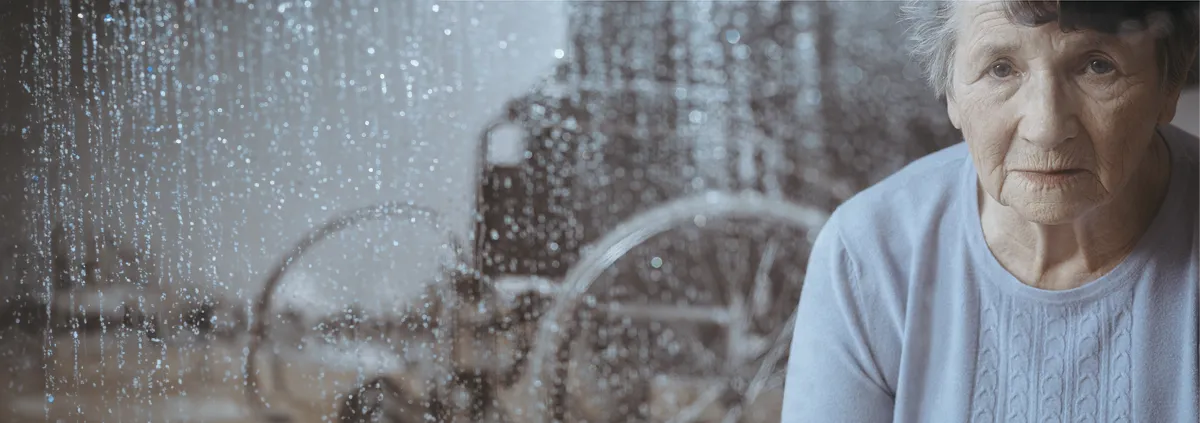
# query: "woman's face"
[[1056, 122]]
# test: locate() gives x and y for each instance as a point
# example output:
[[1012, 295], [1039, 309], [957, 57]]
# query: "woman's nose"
[[1049, 113]]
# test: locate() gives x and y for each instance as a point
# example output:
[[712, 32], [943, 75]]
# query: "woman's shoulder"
[[1185, 144], [1185, 159], [909, 203]]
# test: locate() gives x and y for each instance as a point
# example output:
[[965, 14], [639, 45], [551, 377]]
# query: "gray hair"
[[932, 37], [932, 33]]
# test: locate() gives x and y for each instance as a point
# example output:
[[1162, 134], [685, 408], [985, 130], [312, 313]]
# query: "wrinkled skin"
[[1061, 127]]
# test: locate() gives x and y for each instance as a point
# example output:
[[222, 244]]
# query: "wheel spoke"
[[733, 414], [696, 408], [761, 294], [769, 360], [736, 331]]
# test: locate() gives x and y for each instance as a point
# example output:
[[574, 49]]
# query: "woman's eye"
[[1001, 70], [1100, 66]]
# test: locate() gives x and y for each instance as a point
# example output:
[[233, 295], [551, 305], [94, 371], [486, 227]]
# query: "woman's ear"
[[1171, 99], [953, 112], [1170, 103]]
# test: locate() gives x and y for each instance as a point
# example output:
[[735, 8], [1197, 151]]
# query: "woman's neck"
[[1060, 257]]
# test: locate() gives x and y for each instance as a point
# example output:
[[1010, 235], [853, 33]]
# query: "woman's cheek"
[[988, 133]]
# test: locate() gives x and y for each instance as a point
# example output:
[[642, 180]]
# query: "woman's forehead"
[[1110, 18], [988, 29], [981, 16]]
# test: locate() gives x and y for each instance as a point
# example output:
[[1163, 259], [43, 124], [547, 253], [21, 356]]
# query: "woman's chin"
[[1055, 204], [1045, 211]]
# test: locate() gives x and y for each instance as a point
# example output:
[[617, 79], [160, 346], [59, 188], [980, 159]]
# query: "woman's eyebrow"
[[1109, 44], [988, 49], [992, 47], [1105, 42]]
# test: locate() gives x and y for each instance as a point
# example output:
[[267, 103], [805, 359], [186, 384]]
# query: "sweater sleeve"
[[832, 373]]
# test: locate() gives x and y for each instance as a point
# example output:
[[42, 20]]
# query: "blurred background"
[[372, 210]]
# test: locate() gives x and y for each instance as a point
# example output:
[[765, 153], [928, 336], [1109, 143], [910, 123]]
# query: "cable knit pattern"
[[1059, 363], [986, 375], [1120, 365], [1020, 328], [1088, 373]]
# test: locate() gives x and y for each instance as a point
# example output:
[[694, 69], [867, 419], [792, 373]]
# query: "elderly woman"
[[1043, 270]]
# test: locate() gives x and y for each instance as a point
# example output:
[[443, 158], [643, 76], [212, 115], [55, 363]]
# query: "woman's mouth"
[[1053, 177]]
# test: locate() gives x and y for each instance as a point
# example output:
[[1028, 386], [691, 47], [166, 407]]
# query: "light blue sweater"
[[907, 317]]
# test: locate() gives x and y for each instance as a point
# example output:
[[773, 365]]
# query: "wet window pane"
[[369, 210]]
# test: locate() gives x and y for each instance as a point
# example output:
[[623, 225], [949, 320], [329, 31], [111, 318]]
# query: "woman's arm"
[[833, 374]]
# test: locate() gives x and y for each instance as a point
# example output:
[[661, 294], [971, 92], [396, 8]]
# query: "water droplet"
[[732, 36], [50, 398], [656, 262]]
